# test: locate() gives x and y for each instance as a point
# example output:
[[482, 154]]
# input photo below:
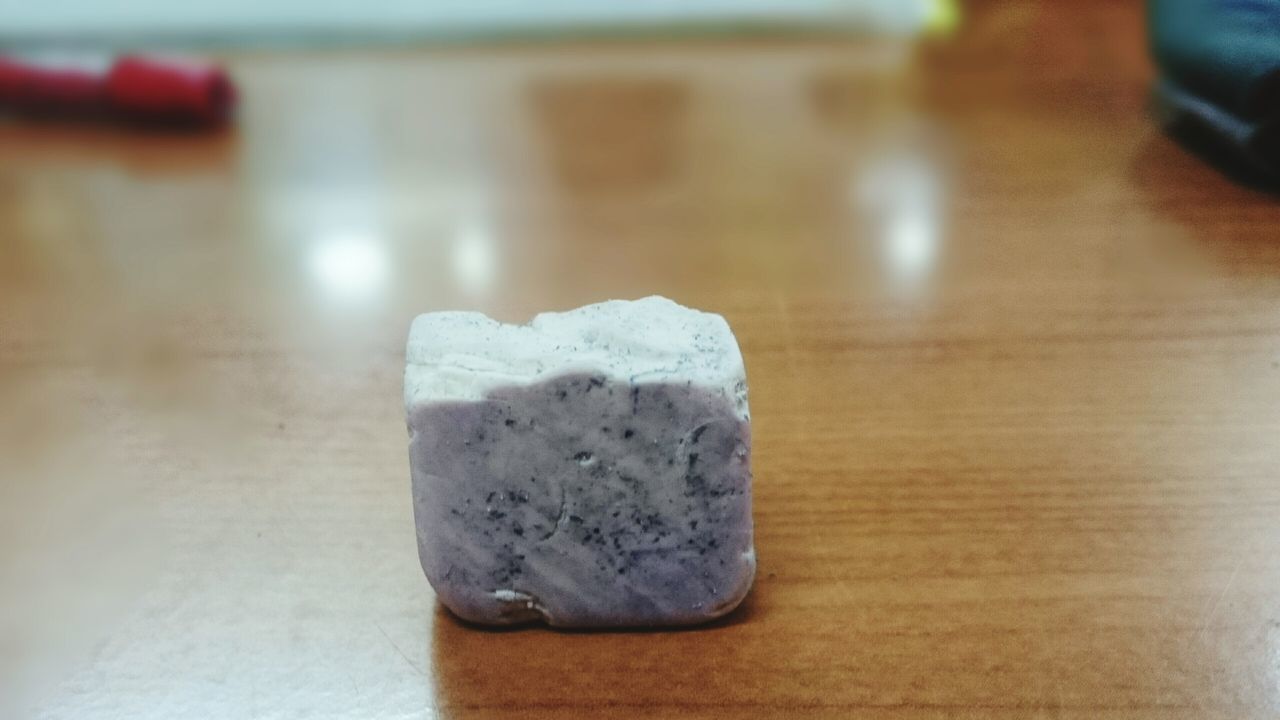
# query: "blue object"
[[1219, 62]]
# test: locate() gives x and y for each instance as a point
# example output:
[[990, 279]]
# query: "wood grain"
[[1014, 362]]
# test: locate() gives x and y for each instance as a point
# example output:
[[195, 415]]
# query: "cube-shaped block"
[[589, 469]]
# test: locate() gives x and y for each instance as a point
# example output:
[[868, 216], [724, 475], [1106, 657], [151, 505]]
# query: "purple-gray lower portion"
[[585, 501]]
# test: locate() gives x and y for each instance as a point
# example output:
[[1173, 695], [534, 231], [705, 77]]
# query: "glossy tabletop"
[[1014, 360]]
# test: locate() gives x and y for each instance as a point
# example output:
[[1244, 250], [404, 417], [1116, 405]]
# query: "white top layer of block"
[[464, 355]]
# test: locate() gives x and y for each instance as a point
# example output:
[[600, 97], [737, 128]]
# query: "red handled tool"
[[130, 88]]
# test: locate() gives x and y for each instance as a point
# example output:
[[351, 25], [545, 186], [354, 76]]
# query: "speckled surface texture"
[[590, 469]]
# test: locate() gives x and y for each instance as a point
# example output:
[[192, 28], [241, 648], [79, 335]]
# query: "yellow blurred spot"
[[943, 17]]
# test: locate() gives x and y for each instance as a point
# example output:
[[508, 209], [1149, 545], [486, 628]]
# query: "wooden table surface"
[[1014, 361]]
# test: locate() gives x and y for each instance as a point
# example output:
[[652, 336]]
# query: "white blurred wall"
[[50, 19]]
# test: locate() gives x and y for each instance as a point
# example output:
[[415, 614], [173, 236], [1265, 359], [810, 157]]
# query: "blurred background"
[[238, 23], [970, 273]]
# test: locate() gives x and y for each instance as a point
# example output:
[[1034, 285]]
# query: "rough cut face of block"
[[590, 469]]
